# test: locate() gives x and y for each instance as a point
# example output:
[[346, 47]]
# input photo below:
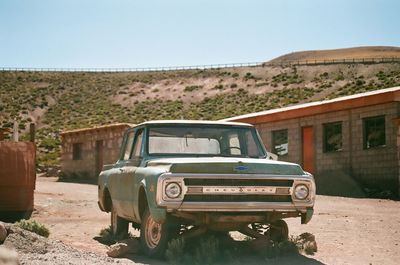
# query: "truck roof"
[[195, 122]]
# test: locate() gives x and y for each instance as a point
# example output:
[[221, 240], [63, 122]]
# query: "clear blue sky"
[[132, 33]]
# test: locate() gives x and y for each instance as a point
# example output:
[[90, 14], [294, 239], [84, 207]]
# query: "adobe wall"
[[86, 167], [398, 152]]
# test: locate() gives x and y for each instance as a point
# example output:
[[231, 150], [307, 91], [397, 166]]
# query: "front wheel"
[[154, 236], [119, 226], [279, 231]]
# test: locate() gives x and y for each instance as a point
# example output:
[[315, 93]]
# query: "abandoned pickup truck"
[[184, 178]]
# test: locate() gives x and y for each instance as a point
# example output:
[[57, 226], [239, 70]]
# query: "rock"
[[8, 256], [309, 243], [123, 247], [3, 232]]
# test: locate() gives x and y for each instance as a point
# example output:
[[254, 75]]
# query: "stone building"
[[347, 142], [85, 151]]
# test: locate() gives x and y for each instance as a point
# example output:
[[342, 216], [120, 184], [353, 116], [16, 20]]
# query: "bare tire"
[[279, 231], [119, 226], [154, 236]]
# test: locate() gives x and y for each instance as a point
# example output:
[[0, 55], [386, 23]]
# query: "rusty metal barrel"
[[17, 180]]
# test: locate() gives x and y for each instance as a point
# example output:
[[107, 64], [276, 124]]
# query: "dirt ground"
[[347, 230]]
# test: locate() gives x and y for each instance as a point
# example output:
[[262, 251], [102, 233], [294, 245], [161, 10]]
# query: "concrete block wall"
[[374, 167]]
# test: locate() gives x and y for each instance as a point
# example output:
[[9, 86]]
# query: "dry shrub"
[[208, 250], [305, 243], [106, 236], [33, 226]]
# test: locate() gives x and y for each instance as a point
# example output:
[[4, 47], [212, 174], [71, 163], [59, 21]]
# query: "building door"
[[99, 156], [308, 149]]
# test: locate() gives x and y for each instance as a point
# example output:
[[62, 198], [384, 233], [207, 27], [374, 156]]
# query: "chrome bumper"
[[180, 204], [236, 207]]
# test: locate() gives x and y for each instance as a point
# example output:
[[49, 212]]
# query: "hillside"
[[338, 54], [60, 101]]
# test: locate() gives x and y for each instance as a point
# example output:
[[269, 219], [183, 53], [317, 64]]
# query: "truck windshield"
[[205, 141]]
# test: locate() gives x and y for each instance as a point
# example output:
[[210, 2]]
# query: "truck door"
[[128, 181]]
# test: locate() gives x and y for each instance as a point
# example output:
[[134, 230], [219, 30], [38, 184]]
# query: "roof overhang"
[[302, 110], [97, 128]]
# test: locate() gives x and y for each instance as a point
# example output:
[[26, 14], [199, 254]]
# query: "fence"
[[335, 61], [283, 63], [145, 69]]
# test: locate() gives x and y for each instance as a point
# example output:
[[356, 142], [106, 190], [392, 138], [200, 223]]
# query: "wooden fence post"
[[32, 132], [15, 132]]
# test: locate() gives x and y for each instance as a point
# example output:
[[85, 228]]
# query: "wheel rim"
[[153, 233]]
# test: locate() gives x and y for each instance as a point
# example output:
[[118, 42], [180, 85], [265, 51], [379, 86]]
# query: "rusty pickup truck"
[[184, 178]]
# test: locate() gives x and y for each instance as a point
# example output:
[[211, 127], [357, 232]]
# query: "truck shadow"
[[203, 250], [297, 259]]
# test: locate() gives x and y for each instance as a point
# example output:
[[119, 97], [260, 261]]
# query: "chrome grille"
[[238, 182], [237, 198]]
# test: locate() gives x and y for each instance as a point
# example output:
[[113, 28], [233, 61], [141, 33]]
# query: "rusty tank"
[[17, 180]]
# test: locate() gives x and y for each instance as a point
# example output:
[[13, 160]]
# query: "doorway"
[[308, 149]]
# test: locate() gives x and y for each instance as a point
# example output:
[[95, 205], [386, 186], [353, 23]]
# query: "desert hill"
[[338, 54], [58, 101]]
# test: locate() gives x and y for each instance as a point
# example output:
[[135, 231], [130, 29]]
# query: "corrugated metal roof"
[[323, 105]]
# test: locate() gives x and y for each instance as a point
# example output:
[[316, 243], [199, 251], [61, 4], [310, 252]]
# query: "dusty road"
[[348, 231]]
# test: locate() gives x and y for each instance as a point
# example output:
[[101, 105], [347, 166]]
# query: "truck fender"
[[147, 199]]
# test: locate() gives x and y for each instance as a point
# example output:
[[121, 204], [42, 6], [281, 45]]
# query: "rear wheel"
[[119, 226], [154, 236]]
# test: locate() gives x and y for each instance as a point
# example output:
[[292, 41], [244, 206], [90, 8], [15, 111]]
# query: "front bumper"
[[180, 205], [235, 207]]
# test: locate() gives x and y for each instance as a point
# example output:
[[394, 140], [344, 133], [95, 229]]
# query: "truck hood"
[[226, 165]]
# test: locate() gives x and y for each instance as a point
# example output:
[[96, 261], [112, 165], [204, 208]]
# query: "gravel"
[[35, 249]]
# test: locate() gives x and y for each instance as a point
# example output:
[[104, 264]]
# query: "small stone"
[[8, 256], [3, 232], [123, 247], [118, 250]]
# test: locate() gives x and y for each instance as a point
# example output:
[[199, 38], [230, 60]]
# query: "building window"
[[374, 132], [77, 151], [333, 137], [280, 144]]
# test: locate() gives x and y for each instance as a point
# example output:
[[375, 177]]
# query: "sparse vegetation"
[[106, 236], [218, 87], [192, 88], [62, 101], [34, 226]]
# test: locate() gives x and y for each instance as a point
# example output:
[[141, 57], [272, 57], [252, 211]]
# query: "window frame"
[[273, 141], [365, 136], [260, 146], [137, 132], [125, 143], [324, 136]]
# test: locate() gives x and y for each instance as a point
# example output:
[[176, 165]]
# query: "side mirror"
[[272, 156]]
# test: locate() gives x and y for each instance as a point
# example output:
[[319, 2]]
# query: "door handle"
[[121, 170]]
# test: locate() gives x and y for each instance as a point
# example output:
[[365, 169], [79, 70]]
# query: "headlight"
[[301, 192], [173, 190]]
